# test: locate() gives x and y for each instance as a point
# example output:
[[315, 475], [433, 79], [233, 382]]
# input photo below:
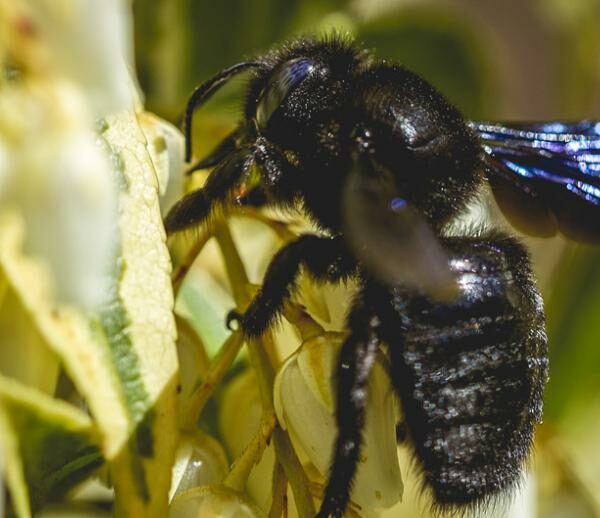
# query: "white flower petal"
[[216, 501], [90, 43], [317, 359], [303, 406], [166, 146], [199, 461], [68, 200], [239, 420], [61, 183]]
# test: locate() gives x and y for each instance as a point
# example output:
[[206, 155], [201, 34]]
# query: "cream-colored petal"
[[317, 361], [303, 405], [199, 461], [239, 420], [166, 147], [62, 184], [90, 43], [214, 501]]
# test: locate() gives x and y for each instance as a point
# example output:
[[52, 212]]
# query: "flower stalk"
[[240, 471], [182, 269], [218, 368], [279, 492], [265, 373]]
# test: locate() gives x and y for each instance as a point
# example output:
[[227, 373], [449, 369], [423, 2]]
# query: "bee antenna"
[[204, 92]]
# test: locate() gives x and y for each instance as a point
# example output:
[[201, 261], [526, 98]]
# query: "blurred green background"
[[516, 59]]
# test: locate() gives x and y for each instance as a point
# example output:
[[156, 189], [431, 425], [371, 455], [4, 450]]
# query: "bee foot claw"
[[234, 320]]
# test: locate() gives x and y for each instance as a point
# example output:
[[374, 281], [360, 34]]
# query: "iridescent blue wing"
[[546, 176]]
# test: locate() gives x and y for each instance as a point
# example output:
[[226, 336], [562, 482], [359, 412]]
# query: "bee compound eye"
[[283, 80]]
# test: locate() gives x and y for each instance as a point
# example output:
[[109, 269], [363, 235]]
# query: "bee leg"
[[197, 206], [325, 258], [280, 178], [354, 366]]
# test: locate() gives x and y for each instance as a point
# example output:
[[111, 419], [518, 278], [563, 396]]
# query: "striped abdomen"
[[471, 373]]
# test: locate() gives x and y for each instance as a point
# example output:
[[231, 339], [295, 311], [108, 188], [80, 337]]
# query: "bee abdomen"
[[473, 373]]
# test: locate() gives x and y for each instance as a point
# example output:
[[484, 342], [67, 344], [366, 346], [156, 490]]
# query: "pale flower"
[[62, 185], [199, 460], [90, 44], [56, 170], [304, 402], [166, 147], [214, 501]]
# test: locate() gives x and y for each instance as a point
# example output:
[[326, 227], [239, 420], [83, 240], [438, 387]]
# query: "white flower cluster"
[[64, 68]]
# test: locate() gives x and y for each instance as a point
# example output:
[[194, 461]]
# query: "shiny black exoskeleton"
[[471, 373], [382, 163]]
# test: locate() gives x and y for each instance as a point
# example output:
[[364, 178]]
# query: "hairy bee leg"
[[197, 206], [280, 178], [325, 258], [355, 363]]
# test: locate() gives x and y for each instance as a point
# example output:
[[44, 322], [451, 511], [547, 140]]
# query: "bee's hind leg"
[[355, 362]]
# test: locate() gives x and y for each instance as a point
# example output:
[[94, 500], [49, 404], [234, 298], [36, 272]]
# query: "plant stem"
[[185, 332], [181, 271], [279, 492], [240, 471], [265, 374], [241, 288], [219, 366], [294, 473], [236, 272]]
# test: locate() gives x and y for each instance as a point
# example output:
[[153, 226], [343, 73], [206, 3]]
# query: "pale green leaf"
[[49, 445]]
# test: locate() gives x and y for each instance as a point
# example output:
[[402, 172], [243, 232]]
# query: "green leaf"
[[122, 359], [49, 445], [572, 314], [138, 326]]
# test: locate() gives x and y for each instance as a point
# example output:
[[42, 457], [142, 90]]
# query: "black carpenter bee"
[[382, 163]]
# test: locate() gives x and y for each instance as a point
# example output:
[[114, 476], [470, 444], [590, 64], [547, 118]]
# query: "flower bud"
[[165, 145], [199, 460], [214, 501], [305, 406]]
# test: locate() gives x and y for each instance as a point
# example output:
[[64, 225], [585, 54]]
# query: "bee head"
[[299, 86], [286, 78]]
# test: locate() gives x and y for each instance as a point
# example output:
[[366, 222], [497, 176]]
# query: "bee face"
[[299, 87]]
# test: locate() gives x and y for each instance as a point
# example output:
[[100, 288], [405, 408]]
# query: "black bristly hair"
[[382, 163], [471, 372], [337, 50]]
